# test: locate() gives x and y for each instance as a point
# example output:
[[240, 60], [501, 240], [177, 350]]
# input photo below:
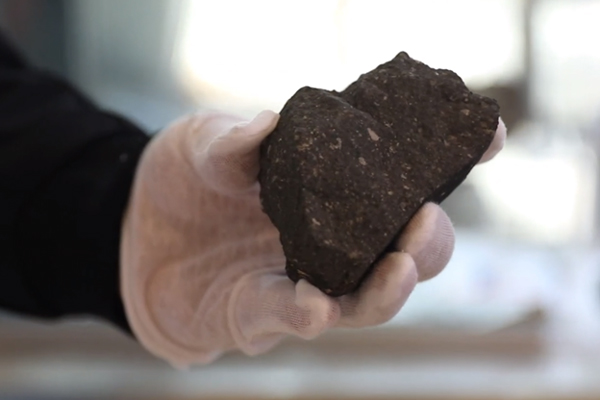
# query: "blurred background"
[[516, 315]]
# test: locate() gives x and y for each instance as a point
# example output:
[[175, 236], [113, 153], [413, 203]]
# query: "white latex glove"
[[202, 268]]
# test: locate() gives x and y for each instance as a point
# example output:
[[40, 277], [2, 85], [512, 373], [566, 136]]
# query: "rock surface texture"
[[344, 172]]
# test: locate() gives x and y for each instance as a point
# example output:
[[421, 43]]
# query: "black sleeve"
[[66, 169]]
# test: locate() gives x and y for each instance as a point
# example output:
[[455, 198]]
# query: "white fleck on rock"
[[338, 144], [314, 221], [354, 254], [465, 112], [373, 135], [362, 161]]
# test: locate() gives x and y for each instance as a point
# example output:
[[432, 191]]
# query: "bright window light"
[[248, 55], [544, 195], [567, 79]]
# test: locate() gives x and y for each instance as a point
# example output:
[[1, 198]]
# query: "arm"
[[66, 169]]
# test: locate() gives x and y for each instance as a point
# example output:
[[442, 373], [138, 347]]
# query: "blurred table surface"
[[94, 361], [532, 333]]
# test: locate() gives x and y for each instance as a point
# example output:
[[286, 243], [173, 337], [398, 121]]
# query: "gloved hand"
[[202, 269]]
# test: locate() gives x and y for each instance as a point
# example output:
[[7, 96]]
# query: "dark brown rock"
[[343, 173]]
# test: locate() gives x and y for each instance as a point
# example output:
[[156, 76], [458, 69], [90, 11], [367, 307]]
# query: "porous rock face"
[[343, 172]]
